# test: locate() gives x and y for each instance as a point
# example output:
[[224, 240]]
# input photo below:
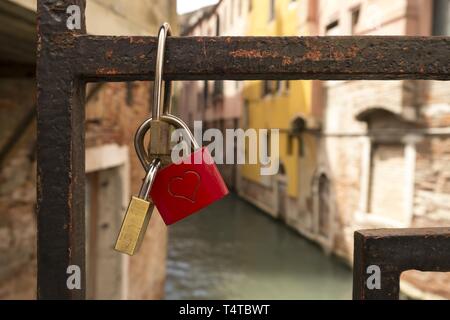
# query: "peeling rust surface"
[[396, 251], [251, 58], [60, 155]]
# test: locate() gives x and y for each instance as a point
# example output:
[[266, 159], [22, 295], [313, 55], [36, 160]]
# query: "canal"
[[232, 250]]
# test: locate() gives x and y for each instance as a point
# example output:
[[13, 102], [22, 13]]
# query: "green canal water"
[[232, 250]]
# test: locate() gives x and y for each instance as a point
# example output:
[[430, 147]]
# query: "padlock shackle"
[[163, 33], [145, 126], [149, 179]]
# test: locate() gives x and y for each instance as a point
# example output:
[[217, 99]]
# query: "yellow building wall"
[[276, 111]]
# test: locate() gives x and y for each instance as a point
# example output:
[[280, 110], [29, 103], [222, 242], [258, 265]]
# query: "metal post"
[[394, 251], [60, 153]]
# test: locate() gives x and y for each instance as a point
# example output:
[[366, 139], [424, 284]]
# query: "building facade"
[[113, 173], [384, 145], [291, 195], [353, 154], [218, 104]]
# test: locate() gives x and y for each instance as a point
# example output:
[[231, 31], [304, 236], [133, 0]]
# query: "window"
[[206, 93], [129, 94], [217, 25], [270, 87], [272, 10], [265, 88], [355, 19], [441, 17], [332, 28], [277, 86], [218, 88]]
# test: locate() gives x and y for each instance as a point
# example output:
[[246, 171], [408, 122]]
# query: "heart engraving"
[[185, 187]]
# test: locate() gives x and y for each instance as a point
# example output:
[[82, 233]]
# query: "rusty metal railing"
[[67, 59], [393, 251]]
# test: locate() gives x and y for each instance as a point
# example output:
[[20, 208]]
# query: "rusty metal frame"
[[394, 251], [67, 59]]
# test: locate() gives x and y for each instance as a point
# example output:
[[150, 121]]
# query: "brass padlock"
[[138, 215]]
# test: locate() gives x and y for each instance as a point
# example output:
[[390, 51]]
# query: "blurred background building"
[[384, 145], [353, 154], [217, 103], [113, 112]]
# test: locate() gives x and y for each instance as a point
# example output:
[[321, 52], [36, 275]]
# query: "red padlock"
[[179, 190], [182, 189]]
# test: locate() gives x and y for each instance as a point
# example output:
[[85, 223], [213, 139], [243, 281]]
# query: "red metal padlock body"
[[182, 189]]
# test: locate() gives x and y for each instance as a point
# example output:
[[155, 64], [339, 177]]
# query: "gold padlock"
[[138, 215]]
